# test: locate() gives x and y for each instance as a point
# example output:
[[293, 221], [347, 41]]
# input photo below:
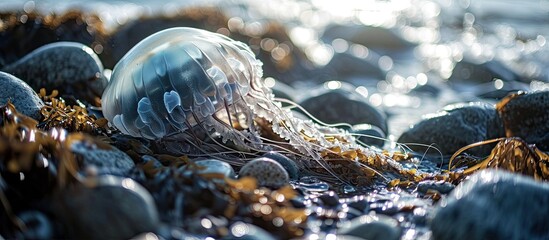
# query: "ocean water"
[[417, 78]]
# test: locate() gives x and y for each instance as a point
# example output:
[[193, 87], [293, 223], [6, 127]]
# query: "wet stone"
[[471, 71], [287, 163], [344, 106], [372, 227], [21, 95], [369, 36], [440, 186], [369, 134], [214, 166], [361, 205], [268, 172], [494, 204], [527, 116], [70, 67], [330, 199], [111, 208], [454, 127], [345, 66], [109, 160]]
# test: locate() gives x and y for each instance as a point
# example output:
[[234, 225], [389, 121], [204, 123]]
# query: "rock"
[[330, 199], [70, 67], [106, 158], [369, 36], [287, 163], [440, 186], [345, 66], [494, 204], [25, 31], [342, 105], [246, 231], [216, 167], [110, 208], [268, 172], [527, 116], [369, 134], [372, 227], [454, 127], [22, 96], [472, 71]]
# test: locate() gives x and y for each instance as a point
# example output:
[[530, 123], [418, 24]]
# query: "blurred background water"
[[412, 57]]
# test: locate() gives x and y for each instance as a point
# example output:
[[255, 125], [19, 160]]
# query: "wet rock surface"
[[344, 106], [201, 199], [20, 94], [369, 36], [268, 172], [214, 166], [527, 116], [494, 204], [69, 67], [107, 159], [112, 209], [455, 127]]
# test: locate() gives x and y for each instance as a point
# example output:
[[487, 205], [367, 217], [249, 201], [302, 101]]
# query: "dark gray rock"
[[268, 172], [105, 207], [494, 204], [372, 227], [287, 163], [70, 67], [527, 116], [25, 100], [369, 36], [454, 127], [369, 134], [344, 66], [107, 160], [344, 106], [482, 72]]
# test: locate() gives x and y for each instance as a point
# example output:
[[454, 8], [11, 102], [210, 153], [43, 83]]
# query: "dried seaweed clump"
[[57, 114], [512, 154]]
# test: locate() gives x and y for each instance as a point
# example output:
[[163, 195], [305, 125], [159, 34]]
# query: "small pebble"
[[21, 95], [287, 163], [111, 160], [214, 166], [268, 172], [69, 67], [494, 204], [113, 208], [372, 227], [440, 186]]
